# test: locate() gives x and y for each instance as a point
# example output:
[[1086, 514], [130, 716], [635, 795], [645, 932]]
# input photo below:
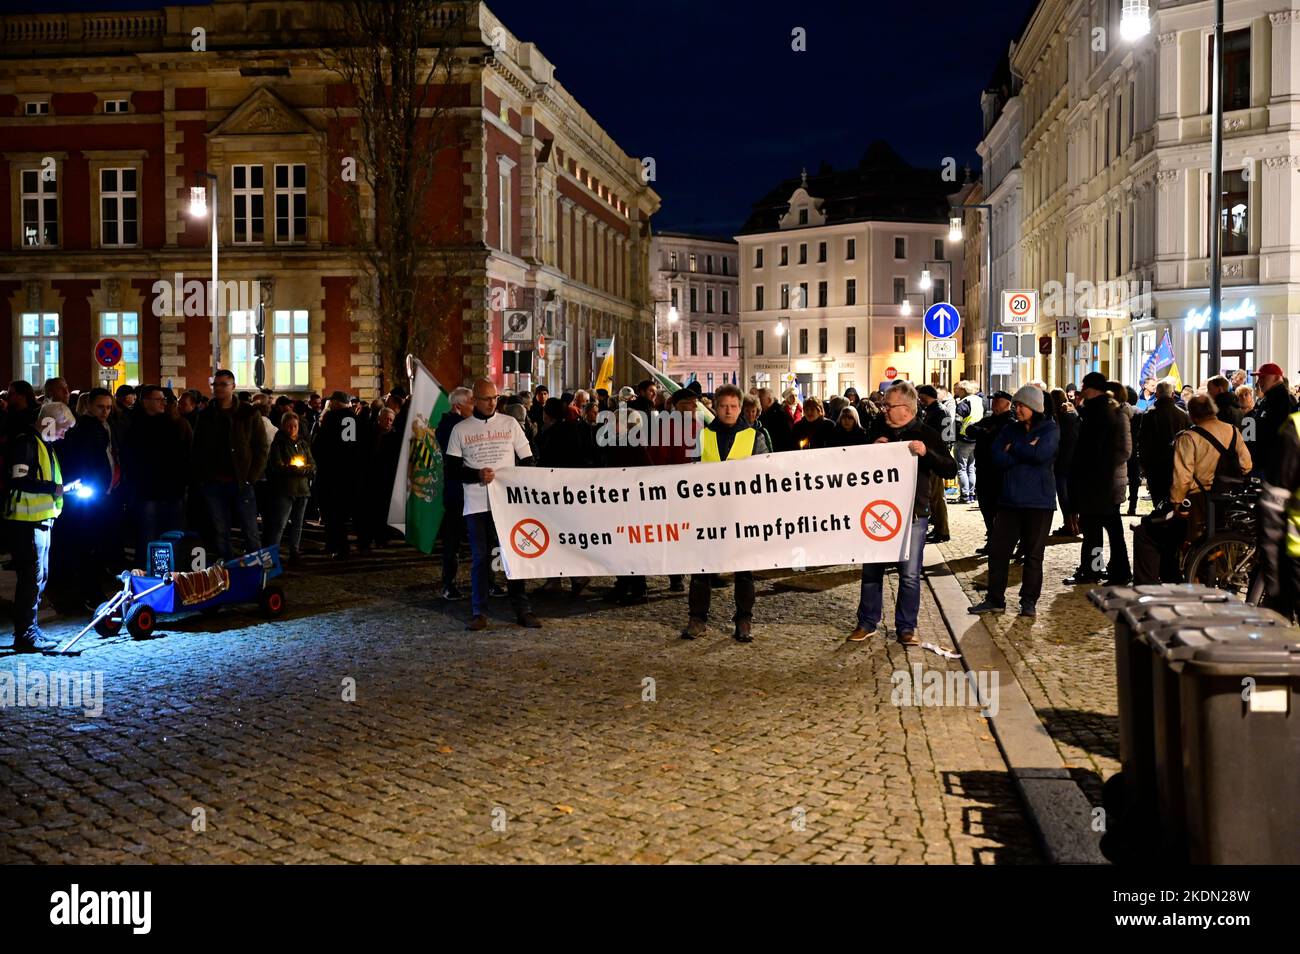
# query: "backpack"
[[1227, 473]]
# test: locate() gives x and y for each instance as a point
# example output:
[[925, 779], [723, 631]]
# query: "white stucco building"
[[830, 266]]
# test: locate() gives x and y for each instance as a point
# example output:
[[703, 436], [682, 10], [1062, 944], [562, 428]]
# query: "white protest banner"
[[809, 508]]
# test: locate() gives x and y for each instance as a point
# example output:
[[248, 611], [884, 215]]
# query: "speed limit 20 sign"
[[1019, 307]]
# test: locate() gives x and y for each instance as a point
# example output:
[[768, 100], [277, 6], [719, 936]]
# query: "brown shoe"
[[477, 622], [908, 639], [529, 621], [743, 635], [695, 629], [859, 634]]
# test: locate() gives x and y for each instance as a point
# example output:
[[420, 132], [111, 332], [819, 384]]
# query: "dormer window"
[[803, 216], [37, 107]]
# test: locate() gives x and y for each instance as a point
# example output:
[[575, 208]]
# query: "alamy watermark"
[[179, 298], [1082, 299], [60, 689], [946, 687]]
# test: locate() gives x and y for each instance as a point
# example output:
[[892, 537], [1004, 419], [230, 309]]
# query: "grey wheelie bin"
[[1167, 642], [1239, 714]]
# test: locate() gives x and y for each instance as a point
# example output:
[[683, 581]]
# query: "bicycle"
[[1228, 558]]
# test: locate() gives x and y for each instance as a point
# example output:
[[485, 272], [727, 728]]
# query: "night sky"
[[712, 90]]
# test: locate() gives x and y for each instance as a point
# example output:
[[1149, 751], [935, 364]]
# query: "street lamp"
[[1134, 20], [954, 228], [199, 208], [789, 351], [955, 235], [925, 279], [926, 284], [661, 354]]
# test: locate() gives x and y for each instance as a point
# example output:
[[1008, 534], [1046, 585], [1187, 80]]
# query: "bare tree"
[[396, 59]]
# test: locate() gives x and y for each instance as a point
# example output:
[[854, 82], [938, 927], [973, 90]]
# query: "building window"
[[726, 265], [1238, 351], [803, 340], [938, 250], [785, 296], [758, 342], [248, 200], [695, 343], [758, 258], [1119, 123], [821, 252], [691, 259], [1235, 220], [940, 290], [900, 290], [1105, 124], [821, 294], [38, 352], [900, 248], [37, 107], [758, 297], [676, 344], [785, 255], [40, 209], [708, 343], [726, 300], [243, 338], [851, 250], [803, 253], [694, 300], [726, 344], [118, 207], [900, 338], [803, 216], [850, 340], [803, 295], [822, 340], [1236, 68], [125, 327], [851, 292], [673, 295], [1132, 110], [117, 106], [672, 261], [785, 342], [289, 347], [291, 203], [504, 230], [708, 300]]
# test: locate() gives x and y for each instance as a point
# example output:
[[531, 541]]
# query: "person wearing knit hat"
[[1025, 452]]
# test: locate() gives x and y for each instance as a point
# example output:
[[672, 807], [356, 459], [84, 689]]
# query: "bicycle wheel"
[[1227, 561]]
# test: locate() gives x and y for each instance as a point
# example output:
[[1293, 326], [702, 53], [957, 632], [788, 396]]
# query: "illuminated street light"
[[1135, 20], [954, 228], [199, 202], [925, 279]]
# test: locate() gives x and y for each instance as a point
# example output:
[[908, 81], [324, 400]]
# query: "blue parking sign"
[[997, 342], [942, 320]]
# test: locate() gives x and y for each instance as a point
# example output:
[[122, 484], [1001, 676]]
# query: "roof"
[[881, 187]]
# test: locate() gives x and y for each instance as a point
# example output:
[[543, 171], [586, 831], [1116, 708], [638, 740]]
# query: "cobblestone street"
[[536, 745]]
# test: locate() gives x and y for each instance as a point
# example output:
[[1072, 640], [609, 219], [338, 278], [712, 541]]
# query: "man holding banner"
[[899, 423], [726, 437]]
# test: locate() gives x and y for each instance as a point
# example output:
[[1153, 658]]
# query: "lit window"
[[39, 348], [243, 344], [290, 349], [40, 209], [248, 204], [692, 260], [125, 327]]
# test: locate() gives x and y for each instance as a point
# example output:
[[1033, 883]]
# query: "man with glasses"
[[480, 445], [899, 422]]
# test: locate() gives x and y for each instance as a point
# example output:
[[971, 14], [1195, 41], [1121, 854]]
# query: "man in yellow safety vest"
[[33, 498], [728, 437]]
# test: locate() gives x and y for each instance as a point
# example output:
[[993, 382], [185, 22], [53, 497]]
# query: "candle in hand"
[[298, 461]]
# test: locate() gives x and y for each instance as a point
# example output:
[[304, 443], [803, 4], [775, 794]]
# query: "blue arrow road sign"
[[997, 342], [942, 320]]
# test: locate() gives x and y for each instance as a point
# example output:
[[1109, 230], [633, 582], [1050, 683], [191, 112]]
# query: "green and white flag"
[[415, 507], [672, 387]]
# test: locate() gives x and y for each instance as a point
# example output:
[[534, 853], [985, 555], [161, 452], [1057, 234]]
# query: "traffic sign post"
[[108, 352], [1019, 307], [1085, 329], [942, 320], [999, 342], [940, 349]]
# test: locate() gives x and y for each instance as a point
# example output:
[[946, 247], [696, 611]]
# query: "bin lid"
[[1241, 649], [1144, 616], [1183, 635], [1112, 599]]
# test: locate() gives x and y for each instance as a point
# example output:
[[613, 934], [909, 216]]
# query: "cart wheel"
[[272, 601], [140, 621], [109, 625]]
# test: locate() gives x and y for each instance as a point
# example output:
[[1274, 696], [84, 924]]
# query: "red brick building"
[[108, 120]]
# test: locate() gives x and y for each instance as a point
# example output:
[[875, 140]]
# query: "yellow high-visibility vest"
[[34, 507], [741, 447], [1293, 510]]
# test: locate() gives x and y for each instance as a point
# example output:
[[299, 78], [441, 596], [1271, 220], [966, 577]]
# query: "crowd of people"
[[120, 468]]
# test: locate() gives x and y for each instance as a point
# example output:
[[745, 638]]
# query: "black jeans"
[[1156, 548], [1112, 525], [450, 534], [988, 510], [1031, 528], [702, 592], [30, 545]]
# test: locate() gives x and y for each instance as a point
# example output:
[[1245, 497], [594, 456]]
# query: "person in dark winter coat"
[[561, 442], [1099, 483], [337, 449], [1025, 453], [935, 417], [1067, 419], [229, 455], [289, 469], [157, 457], [1225, 400], [1135, 458], [814, 430], [848, 431], [452, 532], [1274, 407], [988, 490], [898, 422], [779, 427], [1164, 421]]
